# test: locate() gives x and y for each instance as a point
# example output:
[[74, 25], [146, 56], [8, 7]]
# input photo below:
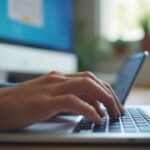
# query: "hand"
[[44, 97]]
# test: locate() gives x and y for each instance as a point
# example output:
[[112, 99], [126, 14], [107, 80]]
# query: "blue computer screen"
[[40, 23]]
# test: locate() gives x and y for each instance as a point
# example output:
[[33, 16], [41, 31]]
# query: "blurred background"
[[38, 36]]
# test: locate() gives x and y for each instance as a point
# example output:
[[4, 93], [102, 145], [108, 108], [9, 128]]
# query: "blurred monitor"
[[36, 36]]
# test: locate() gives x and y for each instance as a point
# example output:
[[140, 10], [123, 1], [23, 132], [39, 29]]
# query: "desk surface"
[[74, 147], [137, 96]]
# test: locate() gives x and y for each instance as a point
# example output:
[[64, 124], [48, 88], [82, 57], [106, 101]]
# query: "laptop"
[[132, 127]]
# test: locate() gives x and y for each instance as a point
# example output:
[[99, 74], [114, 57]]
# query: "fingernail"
[[116, 115], [122, 110]]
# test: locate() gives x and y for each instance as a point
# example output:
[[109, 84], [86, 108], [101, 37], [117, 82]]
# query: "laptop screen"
[[127, 75]]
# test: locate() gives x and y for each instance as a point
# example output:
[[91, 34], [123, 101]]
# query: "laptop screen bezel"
[[140, 56]]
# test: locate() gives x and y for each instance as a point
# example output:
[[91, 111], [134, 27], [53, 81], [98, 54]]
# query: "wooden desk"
[[123, 147], [137, 96]]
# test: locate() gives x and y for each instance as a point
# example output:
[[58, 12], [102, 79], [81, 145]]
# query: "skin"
[[40, 99]]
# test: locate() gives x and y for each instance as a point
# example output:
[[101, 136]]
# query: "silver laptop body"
[[132, 127]]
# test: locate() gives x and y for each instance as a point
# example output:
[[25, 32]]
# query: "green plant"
[[89, 50], [145, 24]]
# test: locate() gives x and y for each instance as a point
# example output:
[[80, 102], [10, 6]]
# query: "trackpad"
[[57, 125]]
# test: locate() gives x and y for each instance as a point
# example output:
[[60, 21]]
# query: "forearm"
[[14, 112]]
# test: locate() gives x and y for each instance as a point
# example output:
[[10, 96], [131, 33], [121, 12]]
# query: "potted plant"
[[121, 47], [88, 50]]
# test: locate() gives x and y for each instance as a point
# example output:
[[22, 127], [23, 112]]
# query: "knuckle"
[[54, 72], [48, 78], [88, 74], [87, 81], [91, 109], [70, 98], [51, 77], [108, 85]]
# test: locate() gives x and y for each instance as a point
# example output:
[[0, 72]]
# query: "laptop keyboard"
[[132, 121]]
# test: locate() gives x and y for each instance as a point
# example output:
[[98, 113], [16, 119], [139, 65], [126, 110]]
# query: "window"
[[120, 19]]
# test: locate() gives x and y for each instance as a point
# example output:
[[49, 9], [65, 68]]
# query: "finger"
[[116, 98], [90, 75], [60, 75], [101, 83], [87, 86], [67, 103], [94, 103]]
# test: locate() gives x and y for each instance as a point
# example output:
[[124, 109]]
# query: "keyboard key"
[[114, 130], [77, 130], [113, 120], [131, 120], [128, 126], [148, 119], [127, 123], [99, 128], [114, 127], [144, 125], [129, 129], [144, 129], [141, 124], [146, 116], [83, 125]]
